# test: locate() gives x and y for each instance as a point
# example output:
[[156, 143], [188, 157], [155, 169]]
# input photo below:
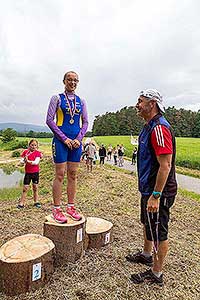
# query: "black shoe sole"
[[143, 262], [136, 279], [146, 281], [20, 206]]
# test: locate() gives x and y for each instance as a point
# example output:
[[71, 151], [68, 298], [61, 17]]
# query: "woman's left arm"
[[84, 127]]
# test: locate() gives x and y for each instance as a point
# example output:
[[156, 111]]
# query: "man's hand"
[[153, 204], [68, 143], [75, 143]]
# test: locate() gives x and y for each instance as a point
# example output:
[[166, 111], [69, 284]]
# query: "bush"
[[89, 134], [15, 145], [22, 144], [16, 153], [8, 135]]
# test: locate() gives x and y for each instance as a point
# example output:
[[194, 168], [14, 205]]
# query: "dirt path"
[[9, 160]]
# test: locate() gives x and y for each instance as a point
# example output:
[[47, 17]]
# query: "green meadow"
[[188, 149], [40, 140]]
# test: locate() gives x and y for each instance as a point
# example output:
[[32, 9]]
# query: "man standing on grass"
[[91, 151], [157, 185]]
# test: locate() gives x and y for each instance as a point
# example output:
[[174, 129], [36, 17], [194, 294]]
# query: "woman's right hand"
[[68, 143]]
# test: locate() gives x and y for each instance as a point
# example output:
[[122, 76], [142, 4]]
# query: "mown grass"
[[188, 194], [40, 140], [187, 154], [104, 274]]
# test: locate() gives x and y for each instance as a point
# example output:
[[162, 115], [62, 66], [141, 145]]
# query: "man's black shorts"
[[31, 176], [164, 214]]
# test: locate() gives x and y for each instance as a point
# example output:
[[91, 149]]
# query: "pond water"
[[10, 180]]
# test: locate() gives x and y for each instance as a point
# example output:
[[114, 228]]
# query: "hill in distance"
[[20, 127]]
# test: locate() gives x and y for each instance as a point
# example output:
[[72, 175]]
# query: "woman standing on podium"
[[70, 111]]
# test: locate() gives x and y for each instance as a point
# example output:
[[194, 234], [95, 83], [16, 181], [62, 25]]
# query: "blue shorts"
[[61, 153]]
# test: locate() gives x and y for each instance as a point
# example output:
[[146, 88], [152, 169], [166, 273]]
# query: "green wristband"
[[158, 194]]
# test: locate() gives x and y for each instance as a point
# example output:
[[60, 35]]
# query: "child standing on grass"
[[31, 158]]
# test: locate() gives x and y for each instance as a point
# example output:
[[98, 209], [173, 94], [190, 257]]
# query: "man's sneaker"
[[148, 277], [20, 206], [58, 215], [140, 258], [37, 204], [71, 211]]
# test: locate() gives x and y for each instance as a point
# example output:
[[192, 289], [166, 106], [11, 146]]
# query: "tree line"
[[185, 123], [9, 134]]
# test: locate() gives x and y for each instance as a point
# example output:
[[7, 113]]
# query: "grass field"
[[104, 274], [40, 140], [44, 145], [187, 154]]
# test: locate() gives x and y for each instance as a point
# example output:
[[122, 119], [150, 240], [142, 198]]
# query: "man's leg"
[[162, 252], [154, 275], [91, 163], [145, 256], [147, 249], [88, 164]]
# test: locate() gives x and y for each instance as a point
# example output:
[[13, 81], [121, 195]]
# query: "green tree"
[[185, 123], [196, 128], [8, 135], [30, 134]]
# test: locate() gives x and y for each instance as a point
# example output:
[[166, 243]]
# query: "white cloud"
[[118, 48]]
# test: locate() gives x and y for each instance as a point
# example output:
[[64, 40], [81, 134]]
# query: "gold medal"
[[71, 121]]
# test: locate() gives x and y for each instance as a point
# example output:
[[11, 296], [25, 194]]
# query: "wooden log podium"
[[26, 263], [98, 232], [68, 238]]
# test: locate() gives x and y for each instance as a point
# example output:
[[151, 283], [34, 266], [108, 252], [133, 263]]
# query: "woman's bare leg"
[[72, 170], [57, 183]]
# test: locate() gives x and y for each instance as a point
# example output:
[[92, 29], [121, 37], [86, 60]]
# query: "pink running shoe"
[[58, 215], [71, 211]]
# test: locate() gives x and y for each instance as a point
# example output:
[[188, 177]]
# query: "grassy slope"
[[187, 154], [104, 274]]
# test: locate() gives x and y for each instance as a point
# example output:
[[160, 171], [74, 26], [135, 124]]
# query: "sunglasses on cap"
[[151, 95]]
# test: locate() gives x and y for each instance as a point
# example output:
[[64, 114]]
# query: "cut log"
[[68, 238], [26, 263], [98, 232]]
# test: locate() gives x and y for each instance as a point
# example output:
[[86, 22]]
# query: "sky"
[[118, 48]]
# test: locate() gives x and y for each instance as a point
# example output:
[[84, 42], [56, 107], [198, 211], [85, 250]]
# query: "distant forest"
[[185, 123], [29, 134]]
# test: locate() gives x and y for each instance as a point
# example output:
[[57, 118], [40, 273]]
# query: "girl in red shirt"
[[31, 158]]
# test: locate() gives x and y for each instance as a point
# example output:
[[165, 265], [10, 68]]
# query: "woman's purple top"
[[51, 113]]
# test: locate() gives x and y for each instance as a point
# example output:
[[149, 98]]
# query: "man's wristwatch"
[[156, 195]]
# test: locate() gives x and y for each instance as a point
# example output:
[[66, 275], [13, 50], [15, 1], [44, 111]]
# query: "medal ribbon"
[[71, 109]]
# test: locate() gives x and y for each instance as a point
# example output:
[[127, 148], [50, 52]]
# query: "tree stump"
[[98, 232], [26, 263], [68, 238]]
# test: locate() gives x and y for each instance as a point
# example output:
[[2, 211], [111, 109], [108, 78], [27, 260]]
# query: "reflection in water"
[[10, 180]]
